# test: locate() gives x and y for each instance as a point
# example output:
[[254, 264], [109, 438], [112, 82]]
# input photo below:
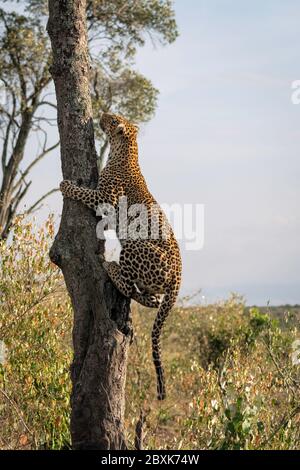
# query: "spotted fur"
[[147, 268]]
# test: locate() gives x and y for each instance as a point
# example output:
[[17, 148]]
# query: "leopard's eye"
[[114, 122]]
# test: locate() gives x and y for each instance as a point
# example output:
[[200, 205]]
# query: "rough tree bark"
[[102, 326]]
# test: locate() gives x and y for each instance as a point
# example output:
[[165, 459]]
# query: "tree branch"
[[12, 209], [47, 103], [36, 205], [33, 163]]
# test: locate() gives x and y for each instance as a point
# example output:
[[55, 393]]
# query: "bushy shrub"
[[35, 323], [232, 381]]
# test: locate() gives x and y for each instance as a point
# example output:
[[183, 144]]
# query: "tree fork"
[[102, 326]]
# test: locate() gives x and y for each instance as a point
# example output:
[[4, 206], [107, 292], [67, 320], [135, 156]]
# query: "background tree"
[[127, 93], [115, 31], [24, 77]]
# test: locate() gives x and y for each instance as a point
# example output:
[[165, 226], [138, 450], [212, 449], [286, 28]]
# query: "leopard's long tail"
[[163, 312]]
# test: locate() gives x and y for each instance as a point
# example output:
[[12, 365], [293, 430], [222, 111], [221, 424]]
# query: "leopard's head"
[[117, 128]]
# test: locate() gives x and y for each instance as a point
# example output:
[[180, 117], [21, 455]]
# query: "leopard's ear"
[[120, 129]]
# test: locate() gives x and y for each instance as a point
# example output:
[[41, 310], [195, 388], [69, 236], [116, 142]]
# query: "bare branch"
[[50, 121], [12, 92], [5, 145], [19, 147], [19, 196], [40, 84], [12, 209], [8, 129], [17, 411], [34, 162], [37, 205], [47, 103]]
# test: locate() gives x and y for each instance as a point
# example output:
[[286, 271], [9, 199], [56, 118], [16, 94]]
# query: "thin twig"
[[36, 206], [12, 403]]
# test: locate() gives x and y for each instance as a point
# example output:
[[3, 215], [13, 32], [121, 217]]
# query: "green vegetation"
[[232, 372], [35, 324]]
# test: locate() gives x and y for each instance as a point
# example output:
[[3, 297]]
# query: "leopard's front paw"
[[110, 266], [66, 187]]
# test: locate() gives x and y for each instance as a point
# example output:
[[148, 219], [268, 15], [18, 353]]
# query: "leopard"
[[149, 268]]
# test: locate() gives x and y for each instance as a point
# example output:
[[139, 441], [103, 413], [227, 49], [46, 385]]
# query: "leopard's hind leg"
[[127, 288], [146, 299], [124, 285]]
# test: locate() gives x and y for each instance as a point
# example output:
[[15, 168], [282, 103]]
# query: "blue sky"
[[226, 135]]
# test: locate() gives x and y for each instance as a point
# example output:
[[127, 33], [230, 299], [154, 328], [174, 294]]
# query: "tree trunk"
[[102, 326]]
